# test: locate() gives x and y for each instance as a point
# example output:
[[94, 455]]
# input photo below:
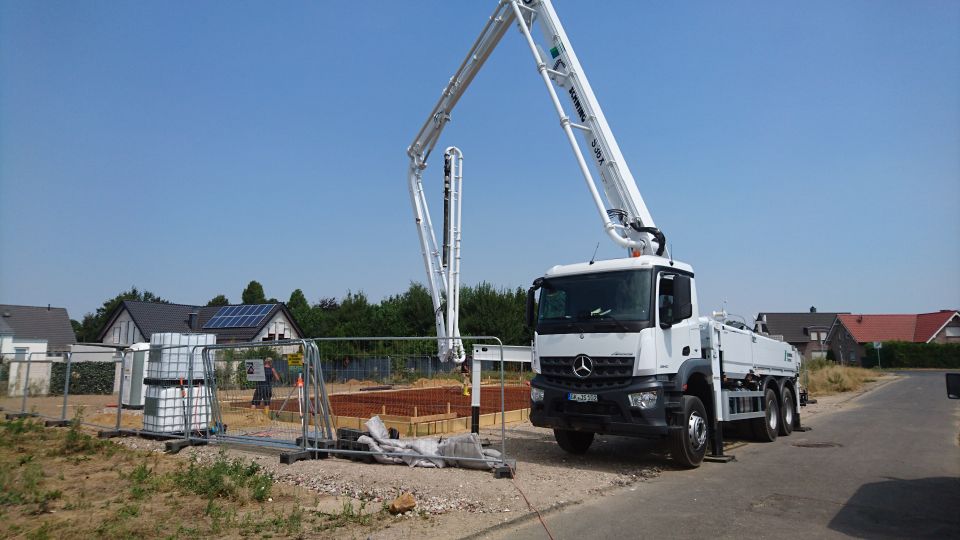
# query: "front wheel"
[[689, 444], [765, 428], [787, 410], [575, 442]]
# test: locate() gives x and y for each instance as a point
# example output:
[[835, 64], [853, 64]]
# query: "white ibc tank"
[[134, 370], [167, 409], [170, 355]]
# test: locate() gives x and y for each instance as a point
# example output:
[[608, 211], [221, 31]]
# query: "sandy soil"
[[456, 502]]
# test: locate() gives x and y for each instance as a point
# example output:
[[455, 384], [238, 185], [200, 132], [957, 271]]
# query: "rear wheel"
[[575, 442], [689, 445], [787, 409], [766, 428]]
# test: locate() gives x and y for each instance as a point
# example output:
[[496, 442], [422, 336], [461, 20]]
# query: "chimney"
[[860, 318], [192, 321], [48, 307], [813, 309]]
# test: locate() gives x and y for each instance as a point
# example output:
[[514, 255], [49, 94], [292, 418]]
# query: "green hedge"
[[902, 354], [85, 377]]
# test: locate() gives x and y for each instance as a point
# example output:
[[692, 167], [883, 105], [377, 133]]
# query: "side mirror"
[[531, 302], [683, 308], [666, 317], [953, 385]]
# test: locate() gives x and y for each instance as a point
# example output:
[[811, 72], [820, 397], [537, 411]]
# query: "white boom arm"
[[624, 216]]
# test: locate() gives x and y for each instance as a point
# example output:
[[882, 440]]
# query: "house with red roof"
[[851, 332]]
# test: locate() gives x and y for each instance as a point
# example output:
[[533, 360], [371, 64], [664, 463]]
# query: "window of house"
[[953, 331], [116, 334], [818, 354], [20, 353]]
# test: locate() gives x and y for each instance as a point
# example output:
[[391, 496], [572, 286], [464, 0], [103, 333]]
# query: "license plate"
[[582, 397]]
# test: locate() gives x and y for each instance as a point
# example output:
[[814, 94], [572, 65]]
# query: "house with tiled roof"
[[134, 322], [807, 330], [32, 333], [851, 332]]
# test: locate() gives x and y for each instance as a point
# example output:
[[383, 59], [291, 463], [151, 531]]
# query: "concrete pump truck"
[[619, 347]]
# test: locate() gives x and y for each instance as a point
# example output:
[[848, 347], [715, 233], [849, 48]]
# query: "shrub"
[[902, 354], [85, 377]]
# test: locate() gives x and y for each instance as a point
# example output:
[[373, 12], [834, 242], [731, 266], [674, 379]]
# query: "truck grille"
[[608, 372]]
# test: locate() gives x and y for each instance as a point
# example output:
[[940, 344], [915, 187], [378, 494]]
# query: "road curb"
[[550, 510]]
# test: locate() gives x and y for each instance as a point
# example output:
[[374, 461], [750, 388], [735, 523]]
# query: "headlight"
[[536, 394], [643, 400]]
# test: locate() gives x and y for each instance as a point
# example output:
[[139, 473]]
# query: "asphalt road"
[[885, 465]]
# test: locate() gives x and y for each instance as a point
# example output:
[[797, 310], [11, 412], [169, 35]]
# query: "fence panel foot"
[[505, 469], [173, 447], [57, 423]]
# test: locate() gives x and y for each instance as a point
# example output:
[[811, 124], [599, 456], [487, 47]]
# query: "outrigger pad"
[[726, 458]]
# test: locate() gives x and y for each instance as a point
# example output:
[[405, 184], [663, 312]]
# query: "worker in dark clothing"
[[264, 390]]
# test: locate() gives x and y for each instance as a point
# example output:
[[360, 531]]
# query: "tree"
[[93, 323], [219, 300], [485, 311], [253, 294], [321, 320], [299, 307]]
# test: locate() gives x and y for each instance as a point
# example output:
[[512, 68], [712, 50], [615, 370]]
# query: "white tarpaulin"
[[428, 452]]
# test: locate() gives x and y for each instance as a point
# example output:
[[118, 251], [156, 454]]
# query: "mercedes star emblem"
[[582, 366]]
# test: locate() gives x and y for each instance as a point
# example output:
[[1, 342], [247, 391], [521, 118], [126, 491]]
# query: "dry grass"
[[825, 380], [64, 483]]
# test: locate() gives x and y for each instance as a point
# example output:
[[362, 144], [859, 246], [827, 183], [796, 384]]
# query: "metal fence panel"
[[401, 381]]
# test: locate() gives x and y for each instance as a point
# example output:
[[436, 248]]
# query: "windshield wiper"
[[616, 320], [603, 314]]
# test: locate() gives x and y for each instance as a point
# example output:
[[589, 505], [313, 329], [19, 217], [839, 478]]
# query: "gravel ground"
[[456, 502]]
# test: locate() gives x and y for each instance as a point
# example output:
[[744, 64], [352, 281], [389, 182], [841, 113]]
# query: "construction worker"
[[465, 373]]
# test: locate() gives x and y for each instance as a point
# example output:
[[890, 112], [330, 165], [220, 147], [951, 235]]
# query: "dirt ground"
[[455, 502]]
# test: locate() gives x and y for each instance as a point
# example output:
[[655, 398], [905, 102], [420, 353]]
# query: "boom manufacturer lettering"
[[577, 105]]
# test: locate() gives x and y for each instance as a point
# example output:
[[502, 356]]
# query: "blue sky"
[[795, 154]]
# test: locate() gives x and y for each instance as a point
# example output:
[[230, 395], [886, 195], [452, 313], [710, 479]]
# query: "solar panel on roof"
[[244, 316]]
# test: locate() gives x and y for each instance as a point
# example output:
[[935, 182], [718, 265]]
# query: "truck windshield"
[[620, 297]]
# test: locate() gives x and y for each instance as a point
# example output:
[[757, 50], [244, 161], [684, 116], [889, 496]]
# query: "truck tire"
[[575, 442], [787, 412], [689, 445], [766, 428]]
